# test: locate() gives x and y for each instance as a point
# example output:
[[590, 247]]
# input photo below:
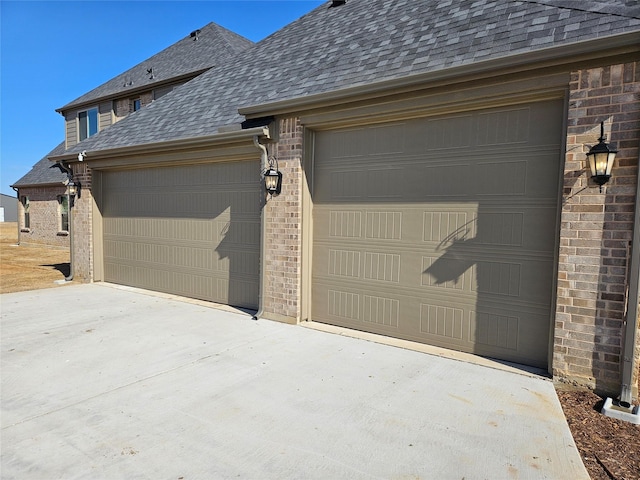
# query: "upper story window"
[[136, 105], [87, 123]]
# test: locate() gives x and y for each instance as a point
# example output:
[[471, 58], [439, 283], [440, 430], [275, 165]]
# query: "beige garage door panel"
[[191, 231], [441, 230]]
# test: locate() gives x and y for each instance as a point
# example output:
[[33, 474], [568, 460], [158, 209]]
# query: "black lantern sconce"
[[73, 190], [273, 178], [601, 159]]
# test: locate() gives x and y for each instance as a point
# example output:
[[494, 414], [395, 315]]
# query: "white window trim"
[[79, 128], [61, 230]]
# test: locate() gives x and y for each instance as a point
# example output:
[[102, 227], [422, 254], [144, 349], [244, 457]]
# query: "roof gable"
[[42, 173], [211, 46], [361, 42]]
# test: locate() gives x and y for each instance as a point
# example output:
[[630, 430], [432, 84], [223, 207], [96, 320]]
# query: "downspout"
[[264, 163], [15, 189], [69, 172], [71, 262], [633, 296]]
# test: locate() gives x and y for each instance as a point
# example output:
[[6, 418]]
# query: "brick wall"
[[82, 227], [121, 108], [45, 219], [283, 214], [146, 98], [124, 106], [596, 228]]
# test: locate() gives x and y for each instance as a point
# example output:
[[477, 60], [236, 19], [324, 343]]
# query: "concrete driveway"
[[100, 382]]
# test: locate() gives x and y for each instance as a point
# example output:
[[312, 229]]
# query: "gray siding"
[[71, 126], [105, 111], [9, 206]]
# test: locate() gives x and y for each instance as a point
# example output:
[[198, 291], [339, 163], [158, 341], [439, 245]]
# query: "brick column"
[[82, 255], [596, 228], [283, 214]]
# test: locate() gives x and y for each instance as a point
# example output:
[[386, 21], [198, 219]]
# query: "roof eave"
[[188, 76], [570, 55], [38, 185], [223, 138]]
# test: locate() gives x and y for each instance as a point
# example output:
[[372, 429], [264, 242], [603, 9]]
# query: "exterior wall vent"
[[337, 3]]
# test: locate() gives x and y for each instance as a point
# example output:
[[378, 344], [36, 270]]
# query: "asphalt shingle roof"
[[361, 42], [42, 173], [214, 46]]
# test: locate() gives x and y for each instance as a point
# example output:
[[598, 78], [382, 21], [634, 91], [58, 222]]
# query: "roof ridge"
[[229, 35], [174, 61], [587, 6], [362, 42]]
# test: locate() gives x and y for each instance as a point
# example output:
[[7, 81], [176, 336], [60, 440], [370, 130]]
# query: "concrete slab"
[[107, 383], [629, 413]]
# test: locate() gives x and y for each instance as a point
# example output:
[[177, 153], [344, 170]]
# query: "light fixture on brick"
[[601, 158], [273, 178], [73, 190]]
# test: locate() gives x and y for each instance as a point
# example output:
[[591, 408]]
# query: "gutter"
[[264, 163], [78, 104], [15, 189], [36, 185], [146, 149], [622, 408], [633, 297], [65, 168], [568, 55]]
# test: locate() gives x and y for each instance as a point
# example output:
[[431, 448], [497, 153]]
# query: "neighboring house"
[[42, 190], [8, 208], [435, 184]]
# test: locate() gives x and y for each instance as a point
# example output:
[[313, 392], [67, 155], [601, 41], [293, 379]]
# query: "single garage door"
[[190, 230], [441, 230]]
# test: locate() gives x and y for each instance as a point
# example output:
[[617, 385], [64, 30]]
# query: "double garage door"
[[441, 230], [188, 230]]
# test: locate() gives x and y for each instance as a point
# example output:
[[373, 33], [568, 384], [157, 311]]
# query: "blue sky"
[[54, 51]]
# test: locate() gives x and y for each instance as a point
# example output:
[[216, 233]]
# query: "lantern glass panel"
[[600, 160], [271, 182], [610, 159]]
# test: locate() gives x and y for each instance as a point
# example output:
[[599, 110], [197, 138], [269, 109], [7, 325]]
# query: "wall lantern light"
[[72, 189], [273, 178], [601, 159]]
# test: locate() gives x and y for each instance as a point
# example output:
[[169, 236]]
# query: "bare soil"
[[29, 267], [610, 448]]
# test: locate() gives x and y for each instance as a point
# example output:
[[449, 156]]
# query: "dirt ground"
[[28, 267], [610, 448]]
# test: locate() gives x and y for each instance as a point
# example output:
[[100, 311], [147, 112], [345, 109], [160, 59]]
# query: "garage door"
[[441, 230], [190, 230]]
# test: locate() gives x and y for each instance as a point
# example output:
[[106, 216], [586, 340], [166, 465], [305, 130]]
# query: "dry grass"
[[28, 267]]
